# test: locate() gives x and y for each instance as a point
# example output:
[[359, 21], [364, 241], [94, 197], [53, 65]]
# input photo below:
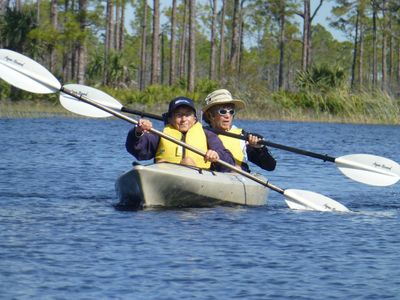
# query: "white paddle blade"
[[369, 169], [77, 106], [306, 200], [26, 74]]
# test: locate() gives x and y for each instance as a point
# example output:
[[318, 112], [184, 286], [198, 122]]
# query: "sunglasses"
[[224, 112]]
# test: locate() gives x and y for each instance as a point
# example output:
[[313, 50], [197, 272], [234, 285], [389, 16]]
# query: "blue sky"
[[322, 16]]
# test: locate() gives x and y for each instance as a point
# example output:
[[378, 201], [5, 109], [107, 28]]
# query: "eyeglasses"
[[223, 111]]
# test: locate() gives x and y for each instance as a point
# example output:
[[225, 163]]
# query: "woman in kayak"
[[219, 111], [182, 124]]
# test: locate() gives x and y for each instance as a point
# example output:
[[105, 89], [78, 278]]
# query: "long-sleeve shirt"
[[144, 147], [261, 157]]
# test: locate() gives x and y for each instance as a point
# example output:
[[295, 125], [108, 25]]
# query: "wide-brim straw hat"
[[222, 96]]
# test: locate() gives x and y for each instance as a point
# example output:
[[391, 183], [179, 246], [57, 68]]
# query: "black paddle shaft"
[[324, 157], [244, 136], [142, 113]]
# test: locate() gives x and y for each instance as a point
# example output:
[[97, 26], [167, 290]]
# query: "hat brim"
[[239, 104], [171, 111]]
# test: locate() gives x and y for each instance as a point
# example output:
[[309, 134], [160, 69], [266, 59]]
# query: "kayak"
[[172, 185]]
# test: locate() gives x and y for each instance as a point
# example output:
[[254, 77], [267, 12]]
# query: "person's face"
[[222, 116], [183, 118]]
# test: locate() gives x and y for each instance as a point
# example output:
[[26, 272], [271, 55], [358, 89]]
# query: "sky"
[[322, 16]]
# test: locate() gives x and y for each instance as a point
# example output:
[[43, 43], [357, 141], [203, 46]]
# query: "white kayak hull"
[[171, 185]]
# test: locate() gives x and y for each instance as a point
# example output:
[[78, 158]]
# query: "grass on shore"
[[46, 110], [32, 109], [339, 106], [336, 106]]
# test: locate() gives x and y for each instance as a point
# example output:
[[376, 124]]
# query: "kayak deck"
[[172, 185]]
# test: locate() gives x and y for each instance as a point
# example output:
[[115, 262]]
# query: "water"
[[61, 238]]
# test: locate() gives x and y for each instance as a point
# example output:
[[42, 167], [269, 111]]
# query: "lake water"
[[61, 237]]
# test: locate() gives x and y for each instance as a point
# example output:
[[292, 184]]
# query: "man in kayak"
[[182, 124], [219, 111]]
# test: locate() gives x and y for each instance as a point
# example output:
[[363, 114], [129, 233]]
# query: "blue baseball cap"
[[180, 101]]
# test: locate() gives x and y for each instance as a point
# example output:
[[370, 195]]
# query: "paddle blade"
[[306, 200], [77, 106], [369, 169], [26, 74]]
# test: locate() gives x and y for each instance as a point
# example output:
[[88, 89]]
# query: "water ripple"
[[61, 237]]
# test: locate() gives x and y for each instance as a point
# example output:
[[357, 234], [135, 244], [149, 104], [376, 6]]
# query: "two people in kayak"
[[182, 123]]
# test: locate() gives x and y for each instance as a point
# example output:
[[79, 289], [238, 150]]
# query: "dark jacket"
[[261, 157], [145, 146], [258, 156]]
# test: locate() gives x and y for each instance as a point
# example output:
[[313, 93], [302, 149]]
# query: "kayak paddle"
[[365, 168], [24, 73]]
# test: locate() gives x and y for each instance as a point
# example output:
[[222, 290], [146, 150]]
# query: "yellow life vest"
[[234, 145], [171, 152]]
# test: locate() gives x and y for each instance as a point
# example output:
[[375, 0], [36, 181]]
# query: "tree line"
[[270, 44]]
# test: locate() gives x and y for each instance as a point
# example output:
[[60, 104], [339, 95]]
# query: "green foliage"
[[205, 86], [44, 35], [12, 94], [335, 103], [120, 73], [153, 94], [15, 26], [136, 23], [340, 53], [321, 78], [94, 70], [159, 94], [322, 90], [72, 30], [5, 89], [365, 105]]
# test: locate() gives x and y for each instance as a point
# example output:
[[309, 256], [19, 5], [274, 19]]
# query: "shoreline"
[[38, 109]]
